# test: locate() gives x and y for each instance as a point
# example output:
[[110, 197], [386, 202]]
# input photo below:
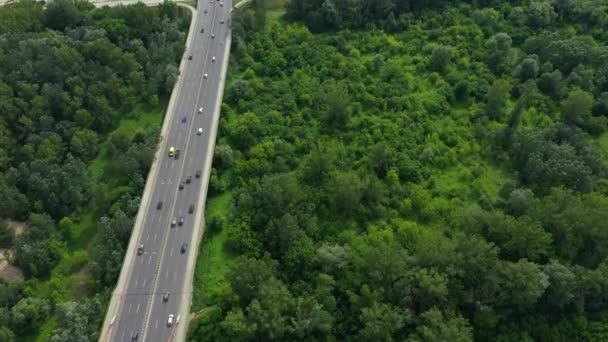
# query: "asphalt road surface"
[[162, 266]]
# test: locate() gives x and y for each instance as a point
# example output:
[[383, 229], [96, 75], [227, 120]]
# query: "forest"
[[82, 95], [410, 170]]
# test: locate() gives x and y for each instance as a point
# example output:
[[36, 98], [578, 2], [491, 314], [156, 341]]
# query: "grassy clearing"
[[142, 116], [467, 186], [213, 261]]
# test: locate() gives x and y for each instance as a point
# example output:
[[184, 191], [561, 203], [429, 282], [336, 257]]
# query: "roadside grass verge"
[[213, 260]]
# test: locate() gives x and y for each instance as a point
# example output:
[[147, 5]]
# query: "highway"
[[137, 305]]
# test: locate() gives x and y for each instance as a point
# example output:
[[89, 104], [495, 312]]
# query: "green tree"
[[381, 322], [499, 51], [62, 14], [29, 313], [540, 14], [84, 143], [528, 68], [496, 100], [436, 325], [237, 327], [78, 321], [246, 276], [441, 58], [576, 108], [345, 191], [522, 284], [336, 103], [551, 84], [271, 309], [563, 287]]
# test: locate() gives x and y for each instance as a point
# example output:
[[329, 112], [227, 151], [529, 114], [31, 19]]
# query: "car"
[[191, 209], [203, 30], [205, 76], [159, 205], [212, 35], [197, 174], [181, 185], [181, 220], [188, 179], [200, 131], [222, 21], [176, 154], [171, 151], [200, 110], [205, 11], [221, 4], [170, 320], [173, 222], [140, 249], [184, 247], [166, 297], [184, 119], [134, 336], [213, 59]]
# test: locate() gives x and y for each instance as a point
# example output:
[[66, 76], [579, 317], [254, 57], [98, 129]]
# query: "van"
[[171, 151]]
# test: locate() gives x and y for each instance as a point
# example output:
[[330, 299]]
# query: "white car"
[[205, 76], [200, 110], [170, 320], [213, 59], [200, 131]]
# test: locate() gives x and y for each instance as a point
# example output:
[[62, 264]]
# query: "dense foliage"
[[68, 75], [443, 182]]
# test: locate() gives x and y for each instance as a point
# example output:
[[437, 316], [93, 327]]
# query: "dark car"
[[140, 249], [159, 205], [184, 248], [184, 120], [197, 174], [190, 57], [202, 30], [181, 185], [188, 179], [134, 336], [176, 154], [181, 220], [191, 209], [166, 297]]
